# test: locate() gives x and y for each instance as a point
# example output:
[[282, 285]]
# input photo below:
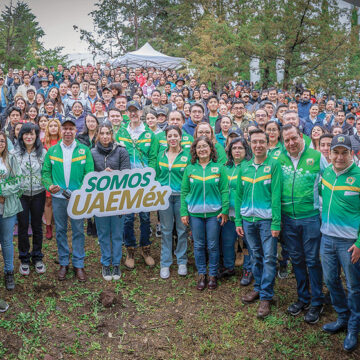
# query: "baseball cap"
[[341, 140], [106, 88], [161, 112], [134, 104], [70, 120], [350, 115], [236, 131]]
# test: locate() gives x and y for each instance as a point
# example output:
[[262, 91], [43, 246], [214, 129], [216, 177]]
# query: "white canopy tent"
[[147, 56]]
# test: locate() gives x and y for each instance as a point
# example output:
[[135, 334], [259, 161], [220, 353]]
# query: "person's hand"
[[355, 256], [108, 169], [54, 189], [2, 200], [328, 117], [240, 231], [185, 220], [275, 233], [223, 217]]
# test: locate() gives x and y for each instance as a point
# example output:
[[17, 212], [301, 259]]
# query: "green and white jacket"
[[232, 174], [341, 203], [258, 193], [204, 191]]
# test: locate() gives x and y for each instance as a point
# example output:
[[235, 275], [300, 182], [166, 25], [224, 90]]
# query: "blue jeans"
[[130, 239], [302, 239], [206, 230], [110, 230], [284, 253], [264, 249], [228, 239], [334, 251], [78, 238], [167, 224], [6, 240]]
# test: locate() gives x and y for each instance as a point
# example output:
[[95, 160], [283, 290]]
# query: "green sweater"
[[259, 193], [53, 168], [232, 173], [222, 158], [171, 175], [276, 151], [341, 203], [204, 191], [300, 186]]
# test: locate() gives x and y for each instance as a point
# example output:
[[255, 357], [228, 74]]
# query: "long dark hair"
[[248, 153], [26, 129], [213, 153], [86, 129]]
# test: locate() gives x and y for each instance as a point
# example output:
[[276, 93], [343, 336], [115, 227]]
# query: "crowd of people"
[[258, 179]]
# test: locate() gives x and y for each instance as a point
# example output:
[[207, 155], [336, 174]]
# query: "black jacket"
[[115, 159], [85, 139]]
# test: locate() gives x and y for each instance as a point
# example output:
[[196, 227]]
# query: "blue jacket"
[[189, 127], [304, 108]]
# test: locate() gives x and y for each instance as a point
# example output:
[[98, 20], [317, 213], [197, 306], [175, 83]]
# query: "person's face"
[[42, 123], [273, 132], [173, 139], [63, 89], [53, 93], [163, 98], [26, 79], [2, 143], [245, 98], [32, 113], [358, 126], [14, 117], [261, 117], [155, 97], [29, 138], [151, 121], [314, 111], [134, 113], [161, 118], [91, 123], [330, 106], [291, 119], [213, 105], [204, 130], [132, 77], [175, 119], [293, 107], [272, 95], [350, 121], [223, 110], [293, 142], [238, 110], [281, 112], [341, 117], [167, 88], [258, 144], [205, 94], [270, 109], [77, 109], [264, 95], [337, 131], [281, 97], [341, 158], [179, 102], [238, 152], [30, 95], [325, 147], [203, 150], [105, 136], [75, 89], [68, 132], [115, 118], [120, 103], [192, 83], [172, 97], [107, 95], [53, 128], [305, 95], [92, 90], [98, 106], [225, 124], [316, 132], [49, 107], [196, 114], [17, 130]]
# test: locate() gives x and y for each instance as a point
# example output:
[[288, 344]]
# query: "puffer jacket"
[[30, 166], [116, 159]]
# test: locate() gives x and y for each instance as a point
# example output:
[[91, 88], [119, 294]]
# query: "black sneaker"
[[9, 281], [246, 278], [313, 315], [106, 273], [296, 308], [116, 273], [283, 272]]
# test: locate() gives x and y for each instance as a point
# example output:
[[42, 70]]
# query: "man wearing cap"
[[137, 138], [301, 171], [23, 88], [3, 95], [155, 105], [44, 89], [349, 126], [64, 169], [107, 96], [340, 242], [180, 82]]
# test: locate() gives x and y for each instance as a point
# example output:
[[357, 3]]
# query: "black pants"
[[33, 205]]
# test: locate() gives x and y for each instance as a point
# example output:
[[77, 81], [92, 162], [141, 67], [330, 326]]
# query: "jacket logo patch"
[[214, 169], [183, 158], [147, 136], [81, 151], [267, 169], [277, 152], [350, 180], [310, 162], [185, 138]]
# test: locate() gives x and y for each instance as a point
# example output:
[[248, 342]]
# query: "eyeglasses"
[[200, 147], [201, 132], [260, 115], [272, 130]]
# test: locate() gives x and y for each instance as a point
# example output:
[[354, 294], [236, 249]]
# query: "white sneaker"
[[182, 270], [165, 273], [40, 267], [158, 231], [24, 269]]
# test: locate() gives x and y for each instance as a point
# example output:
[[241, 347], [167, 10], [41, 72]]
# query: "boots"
[[145, 252], [130, 262], [49, 233]]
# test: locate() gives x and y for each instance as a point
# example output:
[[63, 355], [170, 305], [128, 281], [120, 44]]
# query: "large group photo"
[[198, 202]]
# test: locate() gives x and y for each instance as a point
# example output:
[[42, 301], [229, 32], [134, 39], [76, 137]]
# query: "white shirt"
[[295, 160], [67, 158], [135, 133]]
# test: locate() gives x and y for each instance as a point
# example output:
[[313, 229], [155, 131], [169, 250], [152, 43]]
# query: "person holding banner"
[[170, 167], [109, 156], [64, 169], [205, 205], [138, 140]]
